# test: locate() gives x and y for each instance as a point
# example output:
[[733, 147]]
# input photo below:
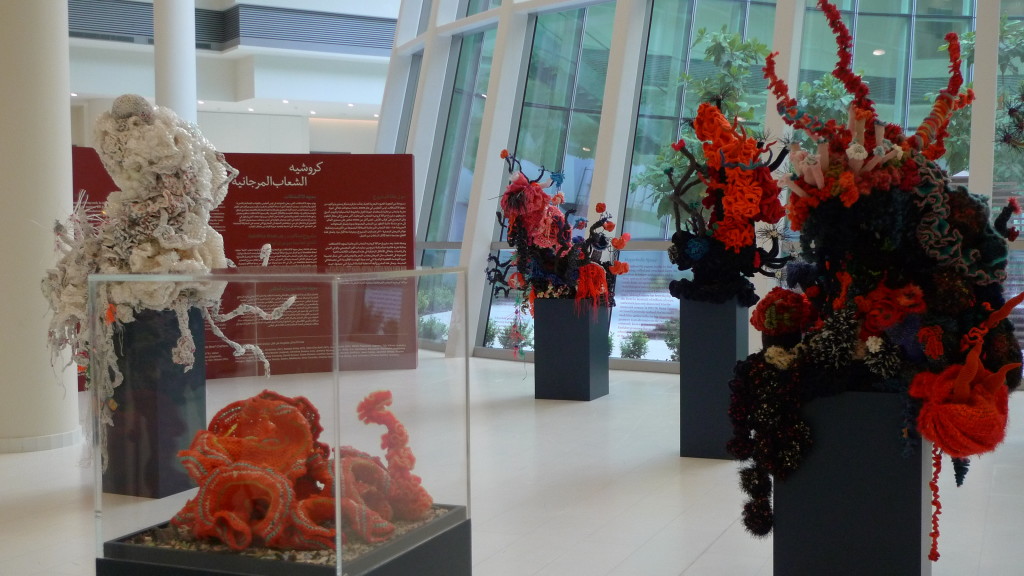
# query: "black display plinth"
[[160, 406], [570, 342], [856, 505], [445, 550], [712, 338]]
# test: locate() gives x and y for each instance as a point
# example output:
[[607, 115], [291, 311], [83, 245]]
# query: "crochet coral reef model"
[[899, 289], [549, 259], [169, 179], [735, 192], [266, 480]]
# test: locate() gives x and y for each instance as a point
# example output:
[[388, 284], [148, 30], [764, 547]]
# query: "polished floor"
[[567, 489]]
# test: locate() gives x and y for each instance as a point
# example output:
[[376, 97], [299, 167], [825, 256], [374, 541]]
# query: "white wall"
[[332, 135], [260, 133], [256, 132]]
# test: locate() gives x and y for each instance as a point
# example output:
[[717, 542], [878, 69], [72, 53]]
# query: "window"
[[478, 6], [461, 138], [561, 111], [666, 100]]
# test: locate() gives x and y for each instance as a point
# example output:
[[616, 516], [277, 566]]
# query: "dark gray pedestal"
[[712, 338], [856, 506], [570, 350], [160, 407]]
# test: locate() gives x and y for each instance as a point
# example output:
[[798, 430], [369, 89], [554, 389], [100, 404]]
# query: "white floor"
[[565, 488]]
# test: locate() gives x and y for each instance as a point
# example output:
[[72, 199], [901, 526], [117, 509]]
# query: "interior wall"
[[333, 135], [256, 132]]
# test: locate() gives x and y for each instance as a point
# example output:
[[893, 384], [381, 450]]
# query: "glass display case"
[[279, 423]]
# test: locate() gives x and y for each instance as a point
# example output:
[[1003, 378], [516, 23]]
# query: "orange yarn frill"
[[592, 284], [965, 407], [265, 479]]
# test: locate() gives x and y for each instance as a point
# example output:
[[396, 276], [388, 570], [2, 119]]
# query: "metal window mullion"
[[575, 83], [909, 75], [433, 168], [686, 62]]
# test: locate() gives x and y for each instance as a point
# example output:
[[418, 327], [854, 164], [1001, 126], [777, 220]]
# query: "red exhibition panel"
[[318, 212]]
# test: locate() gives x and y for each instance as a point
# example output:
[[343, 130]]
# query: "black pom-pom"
[[756, 483], [758, 517]]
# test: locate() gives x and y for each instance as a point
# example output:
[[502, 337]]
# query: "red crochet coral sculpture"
[[266, 480]]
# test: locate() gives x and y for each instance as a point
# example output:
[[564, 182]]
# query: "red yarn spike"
[[843, 70], [933, 553], [931, 133]]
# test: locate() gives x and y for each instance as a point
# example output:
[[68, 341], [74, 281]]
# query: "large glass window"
[[478, 6], [897, 49], [676, 69], [561, 113], [564, 92], [645, 320], [461, 138], [449, 202]]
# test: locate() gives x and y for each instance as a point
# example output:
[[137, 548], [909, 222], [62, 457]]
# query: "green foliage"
[[654, 181], [431, 328], [734, 59], [1008, 164], [825, 99], [434, 297], [671, 329], [490, 333], [611, 343], [506, 340], [1011, 49], [635, 345]]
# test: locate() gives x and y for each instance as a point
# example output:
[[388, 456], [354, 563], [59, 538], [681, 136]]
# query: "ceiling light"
[[376, 115], [284, 101], [73, 94], [201, 101], [312, 112], [252, 109], [585, 149], [878, 52], [351, 105]]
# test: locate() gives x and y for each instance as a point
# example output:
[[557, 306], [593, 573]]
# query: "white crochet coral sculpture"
[[170, 178]]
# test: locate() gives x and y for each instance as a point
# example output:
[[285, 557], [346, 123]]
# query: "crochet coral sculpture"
[[265, 479], [903, 272], [716, 239]]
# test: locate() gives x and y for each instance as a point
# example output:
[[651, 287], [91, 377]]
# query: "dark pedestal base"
[[712, 338], [571, 350], [856, 506], [447, 551], [160, 407]]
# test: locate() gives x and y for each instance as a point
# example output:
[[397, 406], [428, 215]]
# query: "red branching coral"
[[843, 70], [408, 498]]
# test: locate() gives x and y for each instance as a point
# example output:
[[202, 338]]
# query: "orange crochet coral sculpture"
[[265, 479]]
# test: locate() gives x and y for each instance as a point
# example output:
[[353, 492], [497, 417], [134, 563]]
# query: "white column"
[[983, 113], [618, 111], [174, 50], [788, 34], [39, 409]]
